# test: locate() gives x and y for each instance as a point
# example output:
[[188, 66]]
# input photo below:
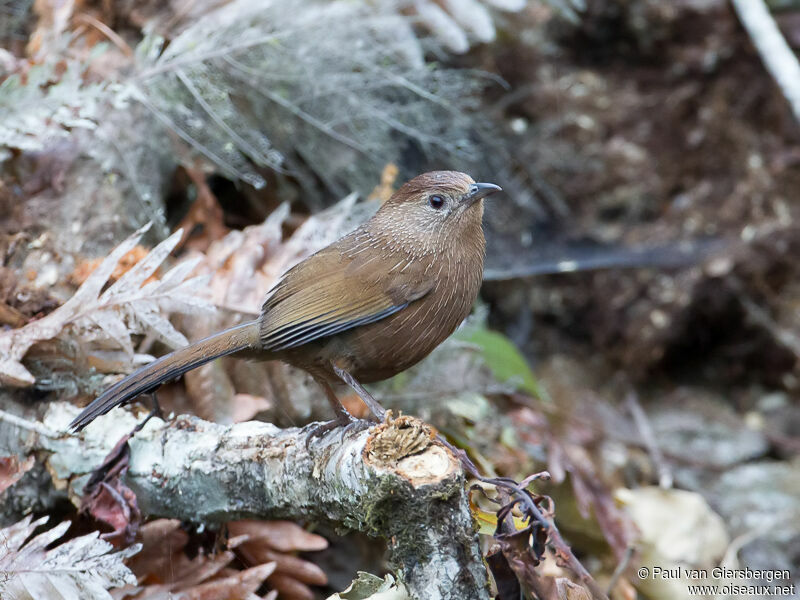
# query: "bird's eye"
[[436, 202]]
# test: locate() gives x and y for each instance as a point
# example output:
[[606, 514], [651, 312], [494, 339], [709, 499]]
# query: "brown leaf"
[[164, 570], [12, 470], [283, 536], [384, 190], [209, 387], [115, 504], [163, 562], [246, 406], [297, 568], [85, 268], [236, 264], [237, 586], [20, 302], [53, 19], [162, 556], [289, 588], [505, 579], [110, 501], [273, 541], [568, 590], [530, 580], [568, 451], [592, 493], [11, 316], [204, 567], [204, 223]]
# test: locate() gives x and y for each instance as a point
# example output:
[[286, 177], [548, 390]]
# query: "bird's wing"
[[331, 292]]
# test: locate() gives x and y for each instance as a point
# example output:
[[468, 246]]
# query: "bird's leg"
[[155, 409], [343, 418], [373, 405]]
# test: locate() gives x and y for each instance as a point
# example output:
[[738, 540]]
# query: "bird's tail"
[[149, 377]]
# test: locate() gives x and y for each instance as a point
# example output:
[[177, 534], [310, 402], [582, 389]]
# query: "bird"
[[368, 306]]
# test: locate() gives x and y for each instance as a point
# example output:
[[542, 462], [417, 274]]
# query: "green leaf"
[[503, 358]]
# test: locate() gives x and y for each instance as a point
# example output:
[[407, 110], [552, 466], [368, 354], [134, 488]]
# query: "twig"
[[29, 425], [520, 496], [761, 317], [623, 564], [106, 31], [775, 53], [649, 440]]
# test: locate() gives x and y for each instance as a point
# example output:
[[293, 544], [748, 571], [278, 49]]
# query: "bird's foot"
[[346, 422]]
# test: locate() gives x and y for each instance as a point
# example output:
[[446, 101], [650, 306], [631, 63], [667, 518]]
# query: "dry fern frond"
[[245, 264], [129, 306], [47, 104], [340, 88], [330, 91], [459, 23], [78, 569]]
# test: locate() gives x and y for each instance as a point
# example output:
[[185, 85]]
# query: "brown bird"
[[363, 309]]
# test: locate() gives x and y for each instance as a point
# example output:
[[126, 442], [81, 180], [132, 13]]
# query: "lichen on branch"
[[394, 480]]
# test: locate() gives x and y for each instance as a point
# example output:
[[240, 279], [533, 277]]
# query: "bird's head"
[[435, 206]]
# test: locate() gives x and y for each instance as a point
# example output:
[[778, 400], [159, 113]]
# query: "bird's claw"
[[346, 422]]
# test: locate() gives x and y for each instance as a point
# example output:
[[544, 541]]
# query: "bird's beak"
[[480, 190]]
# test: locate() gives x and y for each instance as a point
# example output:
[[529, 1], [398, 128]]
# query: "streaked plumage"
[[373, 303]]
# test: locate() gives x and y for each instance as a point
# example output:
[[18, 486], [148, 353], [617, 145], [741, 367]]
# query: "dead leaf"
[[162, 542], [20, 302], [292, 566], [109, 500], [384, 190], [10, 315], [115, 504], [569, 451], [505, 579], [567, 590], [275, 541], [128, 306], [85, 268], [289, 588], [283, 536], [165, 571], [53, 19], [240, 585], [12, 470], [204, 223], [246, 406]]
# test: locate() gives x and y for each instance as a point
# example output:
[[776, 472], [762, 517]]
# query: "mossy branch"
[[394, 480]]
